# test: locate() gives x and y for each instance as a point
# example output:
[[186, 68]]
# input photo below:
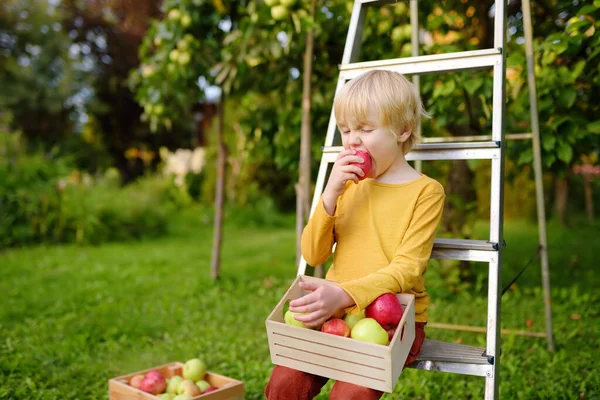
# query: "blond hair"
[[388, 94]]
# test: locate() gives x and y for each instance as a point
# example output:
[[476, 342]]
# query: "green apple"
[[184, 58], [148, 71], [368, 330], [290, 320], [174, 14], [194, 370], [279, 12], [202, 385], [287, 3], [166, 396], [173, 384], [271, 3], [352, 319], [174, 55], [186, 20], [183, 397]]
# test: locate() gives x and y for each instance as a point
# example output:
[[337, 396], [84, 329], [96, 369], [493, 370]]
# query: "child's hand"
[[341, 173], [321, 304]]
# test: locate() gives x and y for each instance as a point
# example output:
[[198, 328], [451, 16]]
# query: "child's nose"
[[354, 138]]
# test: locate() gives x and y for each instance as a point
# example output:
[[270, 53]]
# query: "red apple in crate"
[[153, 383], [366, 165], [136, 380], [391, 333], [210, 389], [336, 326], [386, 310]]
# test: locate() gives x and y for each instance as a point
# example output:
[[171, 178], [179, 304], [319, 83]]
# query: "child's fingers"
[[345, 152], [312, 319]]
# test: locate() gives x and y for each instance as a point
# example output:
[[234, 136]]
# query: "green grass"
[[72, 317]]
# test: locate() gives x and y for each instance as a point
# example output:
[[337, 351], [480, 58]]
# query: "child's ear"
[[403, 137]]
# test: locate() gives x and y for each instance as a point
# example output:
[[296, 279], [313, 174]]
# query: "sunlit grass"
[[72, 317]]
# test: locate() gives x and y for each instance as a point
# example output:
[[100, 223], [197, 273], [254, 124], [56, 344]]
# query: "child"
[[383, 227]]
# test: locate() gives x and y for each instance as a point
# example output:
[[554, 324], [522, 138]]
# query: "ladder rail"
[[449, 358]]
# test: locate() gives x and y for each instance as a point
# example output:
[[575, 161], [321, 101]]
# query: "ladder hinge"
[[495, 245], [490, 359]]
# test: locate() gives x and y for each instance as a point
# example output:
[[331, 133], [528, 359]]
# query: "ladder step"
[[427, 64], [439, 151], [464, 244], [464, 250], [435, 350]]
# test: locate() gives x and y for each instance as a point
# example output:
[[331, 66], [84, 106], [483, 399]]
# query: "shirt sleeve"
[[410, 259], [318, 236]]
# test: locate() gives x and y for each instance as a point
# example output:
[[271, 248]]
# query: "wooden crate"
[[340, 358], [229, 389]]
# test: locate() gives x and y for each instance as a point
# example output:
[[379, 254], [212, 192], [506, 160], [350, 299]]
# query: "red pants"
[[289, 384]]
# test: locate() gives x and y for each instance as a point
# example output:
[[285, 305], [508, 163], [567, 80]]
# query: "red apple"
[[366, 165], [210, 389], [136, 380], [391, 333], [154, 382], [386, 310], [336, 326]]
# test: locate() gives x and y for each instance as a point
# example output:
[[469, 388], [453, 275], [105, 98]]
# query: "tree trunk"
[[219, 193], [561, 190], [589, 197], [303, 187]]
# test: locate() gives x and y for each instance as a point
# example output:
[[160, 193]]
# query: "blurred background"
[[102, 101], [144, 143]]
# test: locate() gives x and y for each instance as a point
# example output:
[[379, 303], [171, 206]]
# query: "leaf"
[[578, 69], [472, 85], [594, 127], [525, 157], [548, 142], [448, 87], [564, 152], [567, 96], [588, 9]]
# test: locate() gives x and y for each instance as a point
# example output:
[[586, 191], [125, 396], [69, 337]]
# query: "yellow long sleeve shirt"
[[383, 236]]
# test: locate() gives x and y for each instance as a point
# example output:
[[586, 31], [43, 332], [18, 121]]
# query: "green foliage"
[[75, 316], [44, 200], [567, 85], [37, 76]]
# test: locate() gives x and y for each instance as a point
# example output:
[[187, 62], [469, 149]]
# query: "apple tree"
[[568, 83]]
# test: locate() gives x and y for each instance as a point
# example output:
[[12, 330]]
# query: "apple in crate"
[[173, 384], [368, 330], [352, 319], [290, 320], [386, 310], [210, 389], [136, 380], [194, 370], [336, 326], [153, 383], [188, 387], [166, 396], [202, 385]]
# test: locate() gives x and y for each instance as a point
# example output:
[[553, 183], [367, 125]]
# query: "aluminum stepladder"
[[438, 355]]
